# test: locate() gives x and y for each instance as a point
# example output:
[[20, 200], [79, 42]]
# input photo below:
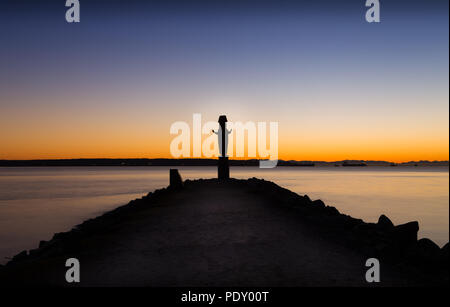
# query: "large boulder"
[[405, 235], [175, 179], [384, 222], [428, 250], [303, 200], [318, 203], [329, 210], [307, 199]]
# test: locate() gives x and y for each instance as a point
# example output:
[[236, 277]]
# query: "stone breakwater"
[[397, 245]]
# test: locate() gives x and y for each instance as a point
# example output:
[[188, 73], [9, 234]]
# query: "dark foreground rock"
[[233, 233], [385, 222], [444, 252], [175, 179]]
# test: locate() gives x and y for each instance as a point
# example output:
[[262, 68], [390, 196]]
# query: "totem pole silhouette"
[[223, 167]]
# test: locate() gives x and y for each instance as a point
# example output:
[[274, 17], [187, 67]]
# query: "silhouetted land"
[[205, 162], [232, 233]]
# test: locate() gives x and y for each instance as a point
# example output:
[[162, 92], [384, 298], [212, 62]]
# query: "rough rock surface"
[[232, 233]]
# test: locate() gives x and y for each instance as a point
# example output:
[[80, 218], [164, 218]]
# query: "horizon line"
[[231, 159]]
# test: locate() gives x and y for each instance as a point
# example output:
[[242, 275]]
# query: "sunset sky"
[[112, 85]]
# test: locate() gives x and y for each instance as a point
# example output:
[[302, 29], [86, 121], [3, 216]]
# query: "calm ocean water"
[[36, 202]]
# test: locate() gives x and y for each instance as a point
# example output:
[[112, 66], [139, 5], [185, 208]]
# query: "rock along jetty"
[[231, 233]]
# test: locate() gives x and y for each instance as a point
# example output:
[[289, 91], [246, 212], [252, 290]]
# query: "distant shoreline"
[[208, 162]]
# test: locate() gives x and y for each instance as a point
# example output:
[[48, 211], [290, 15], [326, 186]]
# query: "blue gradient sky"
[[111, 85]]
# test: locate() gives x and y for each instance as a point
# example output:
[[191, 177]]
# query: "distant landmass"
[[208, 162]]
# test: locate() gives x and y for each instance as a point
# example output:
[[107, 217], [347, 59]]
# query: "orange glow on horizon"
[[314, 151], [60, 133]]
